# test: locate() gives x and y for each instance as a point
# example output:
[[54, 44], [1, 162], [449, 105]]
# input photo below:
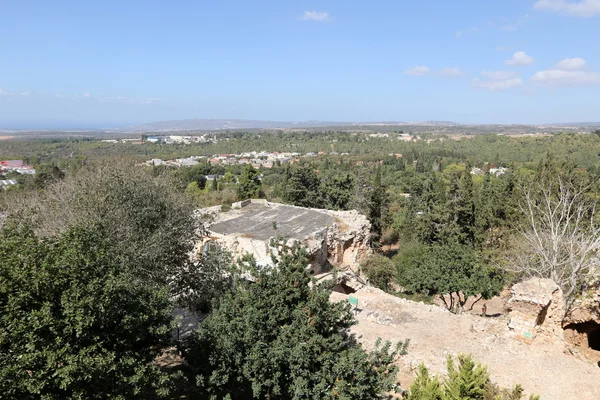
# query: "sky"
[[117, 63]]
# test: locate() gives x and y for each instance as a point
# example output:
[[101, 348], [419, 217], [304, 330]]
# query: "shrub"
[[380, 271]]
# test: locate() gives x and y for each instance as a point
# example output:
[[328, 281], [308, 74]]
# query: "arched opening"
[[343, 288], [594, 339], [585, 334]]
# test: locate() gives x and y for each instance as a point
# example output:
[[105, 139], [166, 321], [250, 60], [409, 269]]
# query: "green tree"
[[281, 338], [149, 224], [200, 283], [466, 380], [454, 271], [337, 189], [196, 173], [45, 174], [302, 186], [425, 387], [424, 214], [76, 323], [459, 210], [228, 177], [378, 204], [249, 184], [380, 271]]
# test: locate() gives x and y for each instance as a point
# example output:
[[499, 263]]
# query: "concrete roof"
[[256, 221]]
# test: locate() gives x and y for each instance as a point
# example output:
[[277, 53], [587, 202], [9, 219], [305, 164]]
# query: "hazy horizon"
[[115, 64]]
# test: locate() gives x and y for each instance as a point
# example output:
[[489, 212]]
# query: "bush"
[[466, 380], [389, 237], [380, 271], [150, 224]]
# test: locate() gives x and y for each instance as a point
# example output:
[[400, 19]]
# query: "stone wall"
[[536, 309]]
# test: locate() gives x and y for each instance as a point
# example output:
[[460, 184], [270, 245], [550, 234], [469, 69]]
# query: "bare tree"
[[561, 235]]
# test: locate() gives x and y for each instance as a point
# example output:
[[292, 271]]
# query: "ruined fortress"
[[332, 238]]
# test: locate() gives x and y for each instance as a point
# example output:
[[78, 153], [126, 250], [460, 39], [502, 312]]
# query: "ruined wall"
[[349, 240], [345, 242], [536, 309]]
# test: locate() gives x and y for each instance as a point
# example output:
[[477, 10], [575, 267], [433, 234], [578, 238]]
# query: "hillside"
[[542, 368]]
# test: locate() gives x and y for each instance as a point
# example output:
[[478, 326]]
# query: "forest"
[[94, 257]]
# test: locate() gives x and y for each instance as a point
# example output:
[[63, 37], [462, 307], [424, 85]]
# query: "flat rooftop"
[[255, 221]]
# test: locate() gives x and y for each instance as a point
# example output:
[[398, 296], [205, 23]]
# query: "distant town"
[[10, 168]]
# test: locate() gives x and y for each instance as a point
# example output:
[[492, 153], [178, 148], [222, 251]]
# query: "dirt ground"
[[542, 368]]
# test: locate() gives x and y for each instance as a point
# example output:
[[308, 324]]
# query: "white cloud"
[[3, 92], [558, 77], [25, 94], [500, 75], [316, 16], [417, 71], [86, 94], [571, 64], [583, 8], [520, 58], [458, 34], [451, 71], [509, 28], [498, 80], [496, 85]]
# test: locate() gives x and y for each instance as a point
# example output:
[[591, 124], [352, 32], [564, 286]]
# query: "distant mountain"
[[437, 123], [220, 124], [580, 124]]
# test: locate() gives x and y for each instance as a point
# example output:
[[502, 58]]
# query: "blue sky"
[[107, 63]]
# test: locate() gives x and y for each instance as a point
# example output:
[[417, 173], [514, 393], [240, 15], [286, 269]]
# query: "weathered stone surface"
[[584, 309], [536, 309], [332, 238]]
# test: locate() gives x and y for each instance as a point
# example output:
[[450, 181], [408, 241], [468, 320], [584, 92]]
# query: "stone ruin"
[[537, 310], [332, 238], [582, 324]]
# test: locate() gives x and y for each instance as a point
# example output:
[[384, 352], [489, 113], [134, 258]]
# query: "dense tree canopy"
[[75, 322], [281, 338], [151, 225], [453, 270], [302, 186]]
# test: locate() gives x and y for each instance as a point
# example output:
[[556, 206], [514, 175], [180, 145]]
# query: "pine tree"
[[425, 387], [466, 381], [249, 184]]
